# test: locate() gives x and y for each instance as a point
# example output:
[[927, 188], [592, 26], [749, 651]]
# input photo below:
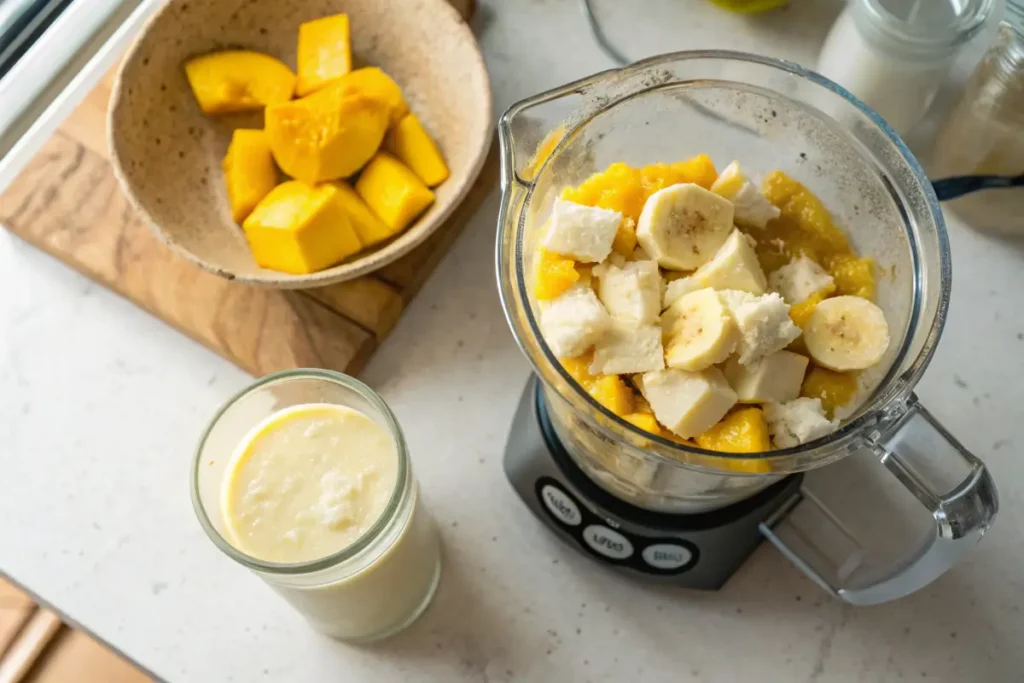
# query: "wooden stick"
[[36, 635]]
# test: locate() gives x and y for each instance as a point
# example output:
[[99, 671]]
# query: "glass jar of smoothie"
[[304, 478]]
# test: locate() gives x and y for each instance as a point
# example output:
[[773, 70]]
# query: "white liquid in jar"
[[899, 87], [312, 480]]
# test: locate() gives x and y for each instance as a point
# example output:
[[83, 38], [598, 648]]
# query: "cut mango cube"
[[327, 135], [249, 171], [672, 436], [394, 192], [238, 80], [369, 228], [324, 53], [300, 229], [611, 392], [553, 275], [835, 389], [741, 431], [608, 390], [408, 140], [644, 421], [371, 82]]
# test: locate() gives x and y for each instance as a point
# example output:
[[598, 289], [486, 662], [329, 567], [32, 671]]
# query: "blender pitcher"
[[901, 500]]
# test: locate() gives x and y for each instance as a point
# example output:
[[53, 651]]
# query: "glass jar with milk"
[[895, 54], [984, 133], [305, 479]]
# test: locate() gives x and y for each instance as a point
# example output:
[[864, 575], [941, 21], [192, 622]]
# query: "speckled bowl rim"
[[411, 238]]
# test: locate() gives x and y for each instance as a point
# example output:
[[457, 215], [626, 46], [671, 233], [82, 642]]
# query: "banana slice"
[[699, 331], [752, 209], [734, 266], [847, 333], [682, 226]]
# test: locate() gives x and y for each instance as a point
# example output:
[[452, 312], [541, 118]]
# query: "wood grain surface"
[[67, 203]]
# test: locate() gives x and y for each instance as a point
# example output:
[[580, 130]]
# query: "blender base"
[[700, 550]]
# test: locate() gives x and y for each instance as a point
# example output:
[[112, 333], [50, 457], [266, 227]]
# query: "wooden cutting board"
[[67, 203]]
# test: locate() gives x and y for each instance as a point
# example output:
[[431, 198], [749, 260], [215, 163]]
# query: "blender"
[[872, 512]]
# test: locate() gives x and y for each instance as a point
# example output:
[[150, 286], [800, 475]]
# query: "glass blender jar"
[[769, 114]]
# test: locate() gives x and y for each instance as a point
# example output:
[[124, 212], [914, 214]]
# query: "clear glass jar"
[[984, 133], [379, 584], [895, 54]]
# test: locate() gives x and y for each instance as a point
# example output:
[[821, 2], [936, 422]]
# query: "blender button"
[[561, 505], [666, 556], [607, 542]]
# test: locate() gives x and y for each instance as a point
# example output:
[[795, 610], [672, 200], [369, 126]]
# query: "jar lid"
[[924, 25]]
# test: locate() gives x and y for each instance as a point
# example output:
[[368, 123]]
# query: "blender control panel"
[[658, 555]]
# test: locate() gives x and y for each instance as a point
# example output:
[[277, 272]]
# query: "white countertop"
[[101, 406]]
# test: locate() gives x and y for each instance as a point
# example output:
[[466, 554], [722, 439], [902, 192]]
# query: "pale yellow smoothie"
[[308, 482], [314, 479]]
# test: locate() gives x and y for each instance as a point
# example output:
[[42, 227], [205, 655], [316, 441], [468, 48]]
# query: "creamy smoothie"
[[316, 479], [309, 481]]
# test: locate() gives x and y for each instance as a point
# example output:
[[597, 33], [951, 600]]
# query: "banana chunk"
[[688, 403], [631, 292], [626, 348], [682, 226], [678, 288], [752, 209], [734, 266], [573, 322], [797, 422], [847, 333], [699, 331], [583, 233], [776, 378]]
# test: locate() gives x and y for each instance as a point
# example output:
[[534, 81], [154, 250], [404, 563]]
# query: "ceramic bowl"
[[167, 153]]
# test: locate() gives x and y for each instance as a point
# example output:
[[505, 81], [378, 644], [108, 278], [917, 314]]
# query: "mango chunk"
[[644, 421], [835, 389], [611, 392], [324, 52], [238, 80], [371, 82], [741, 431], [249, 171], [625, 238], [554, 275], [608, 390], [369, 228], [327, 135], [409, 141], [625, 189], [394, 192], [300, 229]]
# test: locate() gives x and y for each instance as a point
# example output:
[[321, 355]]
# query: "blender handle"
[[957, 186], [951, 483]]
